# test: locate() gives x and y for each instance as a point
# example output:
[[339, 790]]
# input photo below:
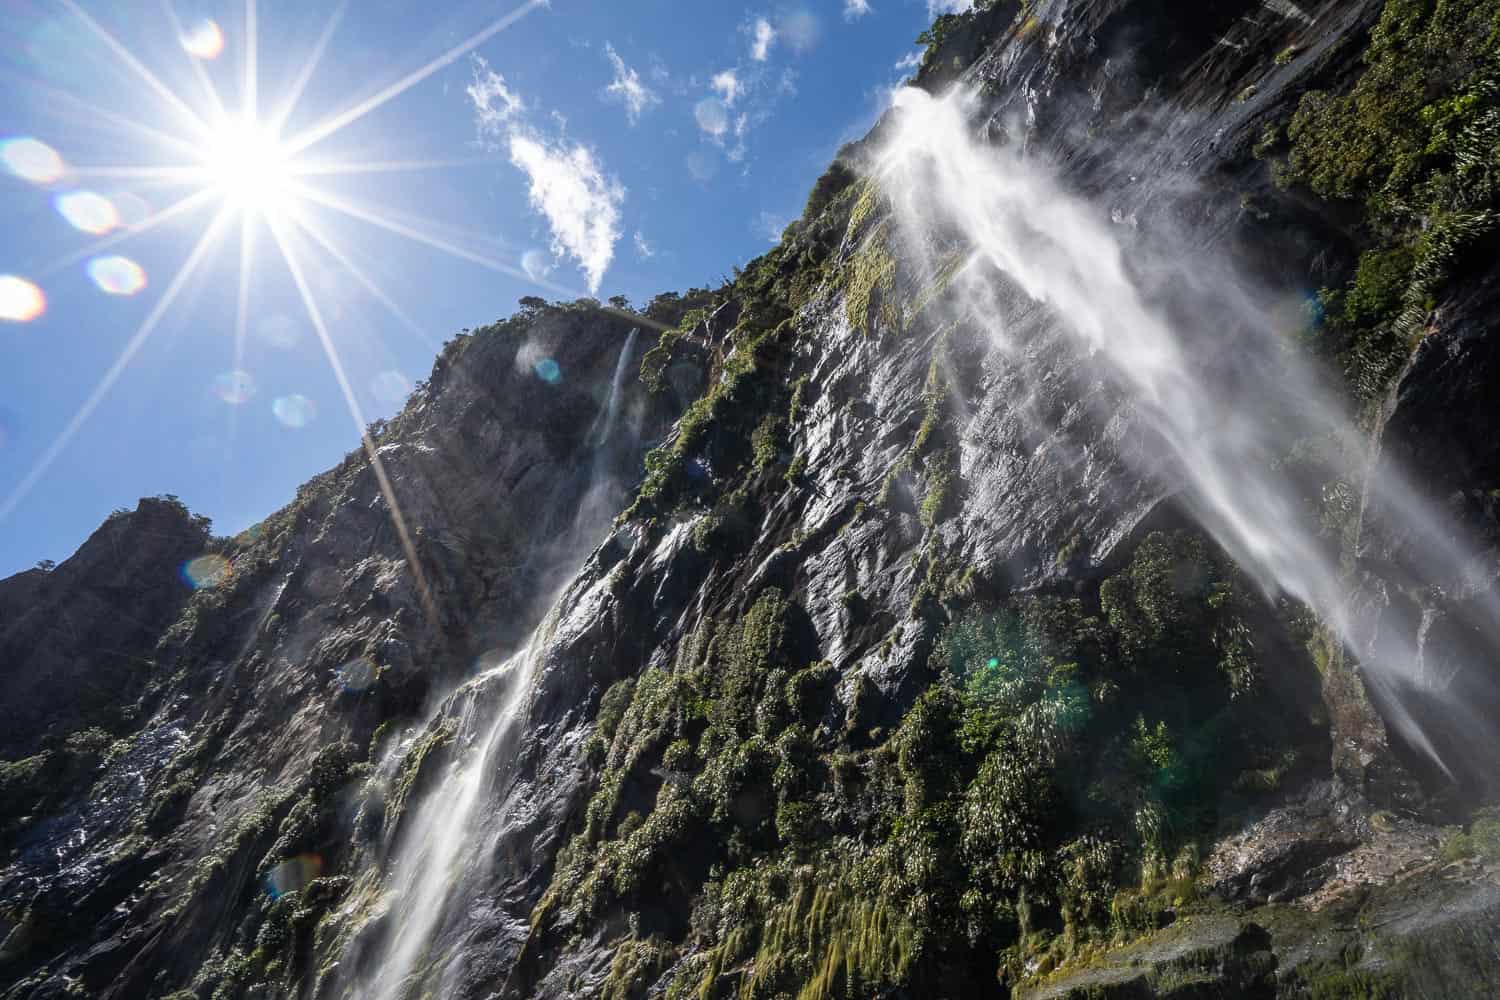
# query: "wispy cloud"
[[762, 37], [743, 98], [643, 248], [580, 202], [727, 85], [627, 87], [936, 7], [494, 103], [569, 187], [856, 9]]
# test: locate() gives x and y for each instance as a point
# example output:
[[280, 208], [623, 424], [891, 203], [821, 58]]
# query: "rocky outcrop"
[[76, 642]]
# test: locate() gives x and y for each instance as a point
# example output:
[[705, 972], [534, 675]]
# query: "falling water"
[[1206, 380], [440, 847], [612, 408], [438, 853]]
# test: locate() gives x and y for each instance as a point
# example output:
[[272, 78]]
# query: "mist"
[[1216, 391]]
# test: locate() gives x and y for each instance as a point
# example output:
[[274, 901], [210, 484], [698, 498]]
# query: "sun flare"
[[251, 169], [240, 166]]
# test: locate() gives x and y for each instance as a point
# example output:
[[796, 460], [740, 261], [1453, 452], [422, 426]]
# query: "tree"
[[46, 565]]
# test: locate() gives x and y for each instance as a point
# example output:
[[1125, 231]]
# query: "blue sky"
[[612, 147]]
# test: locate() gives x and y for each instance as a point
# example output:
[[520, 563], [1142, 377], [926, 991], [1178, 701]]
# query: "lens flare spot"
[[294, 411], [548, 371], [359, 674], [89, 211], [203, 40], [205, 571], [235, 387], [20, 300], [32, 160], [390, 387], [117, 275], [994, 662], [293, 874]]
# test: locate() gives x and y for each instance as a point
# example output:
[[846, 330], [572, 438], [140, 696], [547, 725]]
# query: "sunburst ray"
[[383, 481], [304, 76], [319, 132], [149, 78], [184, 205], [132, 347]]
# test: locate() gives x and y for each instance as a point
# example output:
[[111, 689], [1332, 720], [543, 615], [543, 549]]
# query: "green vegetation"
[[1416, 140], [1481, 840], [417, 766], [735, 428], [870, 284], [1046, 795]]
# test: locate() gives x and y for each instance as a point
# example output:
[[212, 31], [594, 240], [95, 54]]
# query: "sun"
[[247, 164]]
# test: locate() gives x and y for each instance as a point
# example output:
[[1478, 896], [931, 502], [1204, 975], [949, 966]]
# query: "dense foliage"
[[1416, 143]]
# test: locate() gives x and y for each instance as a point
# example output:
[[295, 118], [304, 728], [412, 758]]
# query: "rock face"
[[76, 642], [904, 668]]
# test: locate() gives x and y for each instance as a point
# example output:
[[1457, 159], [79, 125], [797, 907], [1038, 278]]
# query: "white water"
[[439, 844], [444, 844], [612, 407], [1212, 389]]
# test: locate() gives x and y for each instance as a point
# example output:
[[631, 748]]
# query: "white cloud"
[[712, 115], [581, 203], [494, 103], [762, 37], [568, 186], [627, 87], [800, 30], [856, 9], [909, 62], [936, 7], [728, 86], [741, 127], [643, 248]]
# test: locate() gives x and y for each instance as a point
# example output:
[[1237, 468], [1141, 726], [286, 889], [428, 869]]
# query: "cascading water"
[[612, 406], [439, 852], [1218, 398]]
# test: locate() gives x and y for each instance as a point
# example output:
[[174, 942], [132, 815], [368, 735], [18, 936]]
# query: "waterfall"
[[440, 847], [437, 855], [612, 408], [1217, 397]]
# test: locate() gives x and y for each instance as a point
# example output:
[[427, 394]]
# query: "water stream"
[[441, 849], [1213, 391]]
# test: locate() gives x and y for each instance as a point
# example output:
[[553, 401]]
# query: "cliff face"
[[914, 663], [75, 641]]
